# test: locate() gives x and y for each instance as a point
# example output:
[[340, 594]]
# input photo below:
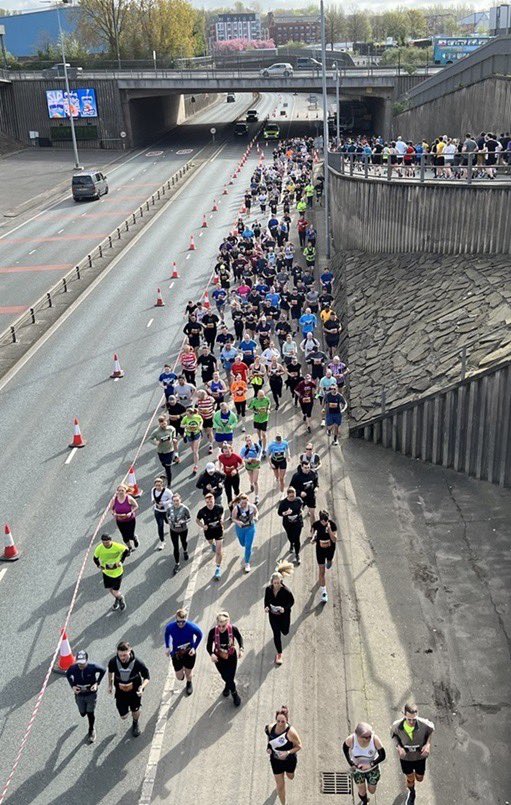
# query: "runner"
[[305, 481], [230, 464], [179, 516], [260, 405], [324, 536], [206, 408], [188, 361], [278, 602], [211, 519], [207, 363], [305, 390], [332, 332], [411, 736], [161, 499], [256, 374], [185, 392], [167, 380], [291, 511], [182, 639], [224, 422], [311, 457], [211, 480], [175, 413], [210, 322], [165, 439], [124, 509], [84, 678], [129, 676], [364, 752], [278, 451], [283, 745], [239, 396], [275, 372], [251, 455], [110, 556], [335, 405], [327, 383], [244, 516], [217, 389], [192, 425], [222, 650]]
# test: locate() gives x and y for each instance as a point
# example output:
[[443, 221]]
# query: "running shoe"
[[122, 603], [263, 454], [185, 556], [247, 568], [160, 546], [189, 688], [256, 499], [411, 796], [226, 691], [176, 459], [92, 736], [298, 561], [243, 429], [210, 448], [335, 442], [235, 698], [278, 659], [322, 423], [115, 605], [195, 469], [324, 597], [137, 543], [176, 569], [218, 572], [135, 729], [309, 429]]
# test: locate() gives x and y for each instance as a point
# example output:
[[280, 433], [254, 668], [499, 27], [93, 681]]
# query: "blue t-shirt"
[[228, 356], [326, 277], [168, 379], [308, 322], [182, 637], [252, 452], [219, 295], [278, 450], [274, 298]]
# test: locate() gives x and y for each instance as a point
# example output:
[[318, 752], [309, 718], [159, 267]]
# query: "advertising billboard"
[[82, 103]]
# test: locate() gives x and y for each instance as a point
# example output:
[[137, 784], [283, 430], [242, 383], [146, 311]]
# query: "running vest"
[[363, 754], [125, 673], [245, 515]]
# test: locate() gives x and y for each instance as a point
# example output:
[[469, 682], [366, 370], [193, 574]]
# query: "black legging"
[[241, 407], [276, 387], [231, 484], [127, 529], [306, 408], [190, 376], [280, 626], [176, 536], [293, 531], [161, 519], [227, 670]]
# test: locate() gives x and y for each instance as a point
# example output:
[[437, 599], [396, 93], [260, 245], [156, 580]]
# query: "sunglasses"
[[366, 736], [180, 621]]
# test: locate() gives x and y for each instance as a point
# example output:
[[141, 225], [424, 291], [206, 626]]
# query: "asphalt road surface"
[[419, 547]]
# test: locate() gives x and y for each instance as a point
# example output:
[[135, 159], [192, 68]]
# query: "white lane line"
[[60, 230], [83, 213], [3, 571], [71, 455], [171, 284], [149, 322], [201, 234], [167, 696], [187, 256], [32, 251], [219, 152]]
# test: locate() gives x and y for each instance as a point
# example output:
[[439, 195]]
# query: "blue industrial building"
[[27, 33]]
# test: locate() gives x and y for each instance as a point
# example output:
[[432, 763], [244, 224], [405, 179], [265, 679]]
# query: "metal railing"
[[46, 301], [466, 168]]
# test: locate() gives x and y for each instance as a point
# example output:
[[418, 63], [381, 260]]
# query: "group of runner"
[[268, 337]]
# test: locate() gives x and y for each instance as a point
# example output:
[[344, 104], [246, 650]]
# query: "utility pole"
[[325, 128], [68, 92], [337, 103]]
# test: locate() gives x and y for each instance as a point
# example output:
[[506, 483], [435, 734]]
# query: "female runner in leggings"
[[290, 509], [278, 602]]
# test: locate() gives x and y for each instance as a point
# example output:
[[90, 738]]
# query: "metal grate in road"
[[335, 782]]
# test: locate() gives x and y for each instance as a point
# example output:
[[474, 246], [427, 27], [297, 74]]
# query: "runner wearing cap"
[[129, 677], [109, 556], [211, 480], [182, 638], [210, 518], [84, 678]]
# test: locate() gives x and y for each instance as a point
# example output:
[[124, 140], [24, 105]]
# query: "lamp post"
[[325, 128], [337, 103]]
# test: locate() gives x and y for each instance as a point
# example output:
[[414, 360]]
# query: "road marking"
[[82, 215], [171, 285], [71, 455], [219, 152], [32, 251], [167, 696], [201, 234], [12, 308], [14, 269], [149, 322], [187, 256], [3, 571], [59, 231]]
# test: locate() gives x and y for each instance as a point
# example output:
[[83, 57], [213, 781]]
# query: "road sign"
[[122, 134], [212, 130]]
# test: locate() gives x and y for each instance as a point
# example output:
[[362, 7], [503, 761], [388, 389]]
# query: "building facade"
[[242, 25], [500, 20], [31, 31], [300, 28]]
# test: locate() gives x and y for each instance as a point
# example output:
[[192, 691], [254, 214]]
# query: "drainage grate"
[[335, 782]]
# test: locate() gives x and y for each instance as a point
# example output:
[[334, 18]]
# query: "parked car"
[[240, 128], [281, 68], [231, 97], [89, 184], [271, 131], [252, 116]]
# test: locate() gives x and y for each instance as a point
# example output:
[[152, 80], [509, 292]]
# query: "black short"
[[186, 661], [263, 426], [324, 554], [278, 465], [112, 582], [417, 766], [282, 766], [207, 423], [309, 500], [126, 702]]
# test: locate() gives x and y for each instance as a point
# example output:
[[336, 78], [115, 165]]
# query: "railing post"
[[13, 336], [389, 169], [127, 226], [118, 233], [100, 249], [64, 284], [383, 401], [141, 211], [470, 167], [49, 299], [366, 166], [134, 218], [110, 241], [32, 315], [352, 163], [422, 167], [343, 171], [463, 362], [77, 269], [89, 258]]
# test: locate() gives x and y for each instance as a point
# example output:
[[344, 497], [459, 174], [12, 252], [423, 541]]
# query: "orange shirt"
[[239, 390]]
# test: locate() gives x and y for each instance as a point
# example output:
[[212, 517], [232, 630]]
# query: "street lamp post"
[[337, 103], [325, 128], [68, 92]]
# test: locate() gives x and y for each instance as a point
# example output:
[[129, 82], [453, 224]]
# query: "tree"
[[335, 25], [168, 27], [103, 22], [52, 51], [358, 26]]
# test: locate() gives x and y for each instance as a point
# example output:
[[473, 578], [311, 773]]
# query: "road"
[[419, 546], [37, 252]]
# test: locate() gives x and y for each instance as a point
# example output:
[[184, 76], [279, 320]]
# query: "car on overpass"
[[231, 97], [240, 128], [280, 68], [252, 116], [271, 131]]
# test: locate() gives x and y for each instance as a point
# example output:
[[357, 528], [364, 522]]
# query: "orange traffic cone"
[[204, 222], [205, 302], [216, 279], [159, 299], [11, 552], [133, 488], [175, 273], [118, 372], [243, 209], [215, 206], [78, 440], [225, 191], [66, 656], [192, 245]]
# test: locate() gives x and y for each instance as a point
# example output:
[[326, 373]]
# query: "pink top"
[[122, 508]]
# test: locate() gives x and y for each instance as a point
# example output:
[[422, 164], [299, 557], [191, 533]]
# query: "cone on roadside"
[[243, 209], [175, 273], [225, 191], [133, 488], [159, 299], [11, 553], [204, 222], [205, 302], [216, 279], [66, 656], [118, 372], [78, 440], [192, 246], [215, 206]]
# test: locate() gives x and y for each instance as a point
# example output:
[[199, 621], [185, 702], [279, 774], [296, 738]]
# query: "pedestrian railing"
[[11, 334], [465, 168]]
